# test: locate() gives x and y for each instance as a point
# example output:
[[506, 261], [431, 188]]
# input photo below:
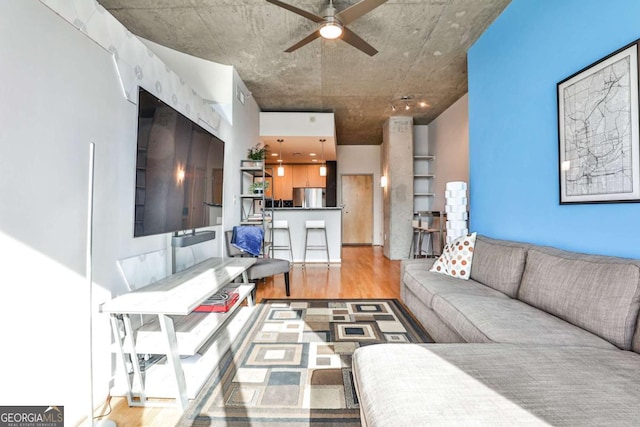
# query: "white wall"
[[363, 160], [62, 90], [449, 142], [245, 133]]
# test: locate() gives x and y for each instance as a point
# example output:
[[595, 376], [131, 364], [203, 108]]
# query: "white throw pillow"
[[456, 257]]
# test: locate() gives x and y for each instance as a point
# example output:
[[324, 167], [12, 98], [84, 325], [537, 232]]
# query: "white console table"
[[176, 331]]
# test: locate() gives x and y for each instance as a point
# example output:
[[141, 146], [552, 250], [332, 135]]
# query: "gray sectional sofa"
[[536, 336]]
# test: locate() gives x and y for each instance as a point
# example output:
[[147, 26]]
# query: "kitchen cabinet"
[[313, 176], [299, 173], [283, 185], [307, 176]]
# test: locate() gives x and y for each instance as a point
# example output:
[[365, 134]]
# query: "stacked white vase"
[[455, 195]]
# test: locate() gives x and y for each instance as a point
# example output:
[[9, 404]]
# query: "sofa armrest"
[[416, 264]]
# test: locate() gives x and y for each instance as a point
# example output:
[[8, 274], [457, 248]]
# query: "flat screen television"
[[179, 171]]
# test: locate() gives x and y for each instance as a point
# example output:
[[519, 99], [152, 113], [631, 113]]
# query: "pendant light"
[[323, 168], [280, 167]]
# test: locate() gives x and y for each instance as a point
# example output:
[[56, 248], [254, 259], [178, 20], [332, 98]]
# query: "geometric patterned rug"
[[291, 364]]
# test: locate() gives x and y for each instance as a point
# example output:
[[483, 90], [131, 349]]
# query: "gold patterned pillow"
[[456, 257]]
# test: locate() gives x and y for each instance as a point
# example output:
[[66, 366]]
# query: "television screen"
[[179, 171]]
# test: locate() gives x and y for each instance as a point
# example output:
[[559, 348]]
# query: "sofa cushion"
[[600, 294], [499, 264], [456, 258], [426, 284], [497, 384], [504, 320], [635, 343]]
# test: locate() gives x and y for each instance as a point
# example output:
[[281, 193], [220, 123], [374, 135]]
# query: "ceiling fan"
[[333, 24]]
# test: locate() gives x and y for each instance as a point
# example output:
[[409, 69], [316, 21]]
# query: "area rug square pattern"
[[292, 363]]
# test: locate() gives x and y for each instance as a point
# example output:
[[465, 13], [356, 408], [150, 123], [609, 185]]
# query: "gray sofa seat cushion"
[[498, 384], [600, 294], [499, 264], [481, 319], [426, 284]]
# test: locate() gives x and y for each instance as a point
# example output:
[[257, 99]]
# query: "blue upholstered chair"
[[264, 267]]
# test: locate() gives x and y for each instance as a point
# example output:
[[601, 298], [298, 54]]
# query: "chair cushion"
[[265, 267]]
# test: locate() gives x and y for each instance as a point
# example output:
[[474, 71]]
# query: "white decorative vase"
[[456, 209]]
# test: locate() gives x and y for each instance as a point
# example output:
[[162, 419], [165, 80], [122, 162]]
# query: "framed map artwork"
[[598, 131]]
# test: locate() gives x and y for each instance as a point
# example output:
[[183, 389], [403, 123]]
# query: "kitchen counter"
[[296, 217]]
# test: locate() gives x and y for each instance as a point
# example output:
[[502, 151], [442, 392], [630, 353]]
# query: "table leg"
[[245, 279], [173, 358], [129, 341]]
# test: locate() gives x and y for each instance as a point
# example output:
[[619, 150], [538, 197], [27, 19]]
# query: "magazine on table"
[[220, 302]]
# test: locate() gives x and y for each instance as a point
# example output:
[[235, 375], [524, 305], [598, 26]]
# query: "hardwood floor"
[[364, 273]]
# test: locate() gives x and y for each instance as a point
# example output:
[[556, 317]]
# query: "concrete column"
[[397, 165]]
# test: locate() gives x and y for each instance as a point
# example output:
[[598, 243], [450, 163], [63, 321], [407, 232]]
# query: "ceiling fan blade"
[[308, 15], [354, 12], [311, 37], [354, 40]]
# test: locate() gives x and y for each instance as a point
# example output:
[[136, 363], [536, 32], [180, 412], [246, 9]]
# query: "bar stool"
[[315, 225], [422, 228], [282, 225], [419, 231]]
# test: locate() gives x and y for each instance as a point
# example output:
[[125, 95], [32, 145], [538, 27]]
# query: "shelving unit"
[[253, 206], [422, 183], [191, 343]]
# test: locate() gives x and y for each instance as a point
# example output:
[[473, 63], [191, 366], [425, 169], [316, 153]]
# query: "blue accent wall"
[[513, 125]]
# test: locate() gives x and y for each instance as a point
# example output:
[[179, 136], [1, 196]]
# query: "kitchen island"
[[332, 216]]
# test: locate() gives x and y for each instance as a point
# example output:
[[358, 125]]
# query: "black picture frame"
[[598, 131]]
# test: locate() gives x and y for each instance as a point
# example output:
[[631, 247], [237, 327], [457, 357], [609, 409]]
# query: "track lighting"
[[407, 104]]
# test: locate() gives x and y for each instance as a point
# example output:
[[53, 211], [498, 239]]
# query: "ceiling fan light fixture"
[[331, 29]]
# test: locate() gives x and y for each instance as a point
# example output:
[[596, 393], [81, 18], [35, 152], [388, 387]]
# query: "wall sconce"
[[180, 174], [383, 181]]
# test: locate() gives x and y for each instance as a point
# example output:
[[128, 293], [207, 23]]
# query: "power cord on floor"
[[102, 422]]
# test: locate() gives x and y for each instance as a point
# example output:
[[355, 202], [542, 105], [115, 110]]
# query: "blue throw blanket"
[[248, 238]]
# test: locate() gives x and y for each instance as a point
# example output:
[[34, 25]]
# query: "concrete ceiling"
[[422, 48]]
